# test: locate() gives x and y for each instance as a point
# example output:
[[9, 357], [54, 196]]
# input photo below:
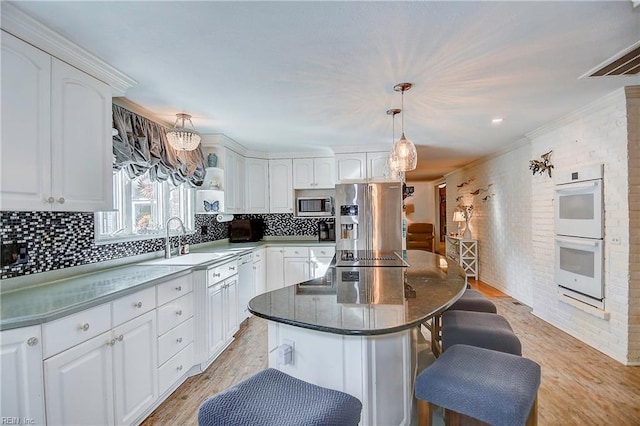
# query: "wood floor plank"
[[580, 385]]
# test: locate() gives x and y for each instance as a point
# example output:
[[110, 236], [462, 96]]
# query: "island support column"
[[379, 370]]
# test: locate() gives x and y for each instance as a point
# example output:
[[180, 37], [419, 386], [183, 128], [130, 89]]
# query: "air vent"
[[626, 62]]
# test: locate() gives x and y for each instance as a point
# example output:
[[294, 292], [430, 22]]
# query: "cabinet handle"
[[232, 268], [254, 268], [111, 342], [50, 200], [61, 200], [179, 312], [84, 327], [32, 341], [120, 338], [179, 368], [179, 288], [137, 305], [179, 340], [216, 274]]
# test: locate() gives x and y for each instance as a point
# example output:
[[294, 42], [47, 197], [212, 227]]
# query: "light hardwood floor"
[[580, 386]]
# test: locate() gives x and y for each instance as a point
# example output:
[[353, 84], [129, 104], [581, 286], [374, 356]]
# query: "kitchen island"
[[355, 329]]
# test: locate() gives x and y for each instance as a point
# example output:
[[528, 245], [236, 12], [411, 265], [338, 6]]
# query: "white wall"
[[515, 228], [423, 201]]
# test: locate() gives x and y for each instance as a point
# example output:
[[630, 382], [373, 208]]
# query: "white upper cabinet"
[[234, 181], [56, 138], [363, 166], [352, 166], [313, 173], [280, 186], [257, 185]]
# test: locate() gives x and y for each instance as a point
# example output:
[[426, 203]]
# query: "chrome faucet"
[[167, 242]]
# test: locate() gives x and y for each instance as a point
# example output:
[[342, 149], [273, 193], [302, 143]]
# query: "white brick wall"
[[515, 228]]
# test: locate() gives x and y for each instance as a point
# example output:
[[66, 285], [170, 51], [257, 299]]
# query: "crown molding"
[[588, 109], [141, 111], [23, 26]]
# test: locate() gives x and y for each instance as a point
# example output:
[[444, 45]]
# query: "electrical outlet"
[[293, 350], [615, 240]]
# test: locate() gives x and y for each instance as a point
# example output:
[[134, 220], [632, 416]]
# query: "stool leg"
[[532, 420], [424, 413], [435, 336]]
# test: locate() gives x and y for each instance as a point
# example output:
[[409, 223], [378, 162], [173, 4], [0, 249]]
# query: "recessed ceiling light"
[[497, 120]]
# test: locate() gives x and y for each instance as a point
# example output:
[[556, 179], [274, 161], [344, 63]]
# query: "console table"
[[465, 252]]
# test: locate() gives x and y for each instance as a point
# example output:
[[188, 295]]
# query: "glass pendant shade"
[[404, 155], [182, 139]]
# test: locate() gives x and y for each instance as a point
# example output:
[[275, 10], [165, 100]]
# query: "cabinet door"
[[325, 172], [319, 266], [135, 367], [231, 307], [280, 186], [22, 385], [79, 384], [296, 270], [257, 185], [303, 176], [260, 277], [81, 148], [25, 147], [351, 167], [230, 195], [215, 320], [275, 268], [377, 168], [239, 183]]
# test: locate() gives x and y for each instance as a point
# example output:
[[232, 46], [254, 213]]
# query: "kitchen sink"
[[190, 259]]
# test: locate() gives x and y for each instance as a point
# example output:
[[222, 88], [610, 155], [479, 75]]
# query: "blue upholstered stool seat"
[[491, 386], [480, 329], [473, 300], [272, 397]]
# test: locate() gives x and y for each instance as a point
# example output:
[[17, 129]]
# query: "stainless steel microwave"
[[314, 206]]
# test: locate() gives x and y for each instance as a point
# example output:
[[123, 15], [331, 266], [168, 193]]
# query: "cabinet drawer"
[[222, 272], [173, 289], [171, 371], [74, 329], [318, 252], [296, 251], [174, 312], [133, 305], [175, 340]]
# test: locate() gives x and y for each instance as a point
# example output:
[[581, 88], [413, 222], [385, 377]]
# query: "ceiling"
[[303, 76]]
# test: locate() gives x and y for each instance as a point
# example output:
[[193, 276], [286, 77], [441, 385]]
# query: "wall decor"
[[467, 182], [537, 166]]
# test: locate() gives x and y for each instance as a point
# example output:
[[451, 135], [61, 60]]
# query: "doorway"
[[442, 195]]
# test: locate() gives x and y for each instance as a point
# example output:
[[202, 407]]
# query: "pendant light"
[[403, 149], [393, 163], [181, 138]]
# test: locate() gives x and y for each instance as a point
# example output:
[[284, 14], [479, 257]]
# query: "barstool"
[[274, 398], [493, 387], [480, 329]]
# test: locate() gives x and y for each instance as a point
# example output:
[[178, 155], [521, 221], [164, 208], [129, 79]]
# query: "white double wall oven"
[[579, 229]]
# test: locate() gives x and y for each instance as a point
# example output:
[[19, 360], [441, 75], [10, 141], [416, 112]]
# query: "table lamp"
[[458, 217]]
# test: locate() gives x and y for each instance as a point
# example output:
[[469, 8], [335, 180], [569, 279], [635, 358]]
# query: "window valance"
[[142, 145]]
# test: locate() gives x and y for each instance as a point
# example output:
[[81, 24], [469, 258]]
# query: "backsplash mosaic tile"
[[57, 240]]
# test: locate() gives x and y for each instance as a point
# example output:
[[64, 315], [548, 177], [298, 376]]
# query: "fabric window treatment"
[[141, 145]]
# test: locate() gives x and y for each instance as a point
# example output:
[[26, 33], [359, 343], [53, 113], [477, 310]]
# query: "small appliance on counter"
[[326, 231], [246, 230]]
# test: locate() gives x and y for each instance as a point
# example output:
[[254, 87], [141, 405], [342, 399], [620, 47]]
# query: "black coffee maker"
[[326, 231]]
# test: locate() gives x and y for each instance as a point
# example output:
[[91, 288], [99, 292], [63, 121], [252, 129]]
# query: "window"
[[142, 207]]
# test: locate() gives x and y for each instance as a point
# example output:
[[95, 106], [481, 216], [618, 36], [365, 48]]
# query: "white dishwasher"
[[246, 287]]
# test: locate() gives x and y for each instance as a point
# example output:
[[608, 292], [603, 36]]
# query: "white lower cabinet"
[[222, 301], [305, 263], [109, 379], [275, 268], [22, 385], [260, 271], [79, 384]]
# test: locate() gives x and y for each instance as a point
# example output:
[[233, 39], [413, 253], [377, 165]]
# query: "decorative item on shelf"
[[537, 166], [467, 212], [404, 155], [181, 138], [212, 160], [211, 206], [459, 218], [214, 184]]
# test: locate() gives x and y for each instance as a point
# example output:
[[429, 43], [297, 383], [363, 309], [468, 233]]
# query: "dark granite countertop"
[[367, 300]]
